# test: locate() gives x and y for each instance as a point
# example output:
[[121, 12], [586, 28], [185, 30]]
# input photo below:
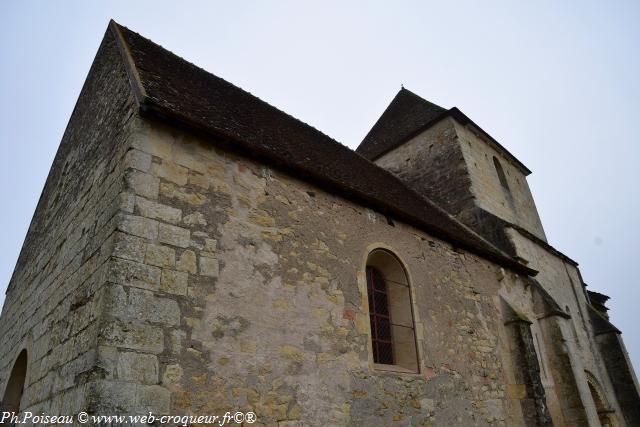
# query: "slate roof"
[[406, 113], [172, 89]]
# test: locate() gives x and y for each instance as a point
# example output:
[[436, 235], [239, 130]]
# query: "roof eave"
[[149, 107]]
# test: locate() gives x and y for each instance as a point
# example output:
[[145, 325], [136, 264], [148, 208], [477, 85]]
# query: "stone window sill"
[[393, 368]]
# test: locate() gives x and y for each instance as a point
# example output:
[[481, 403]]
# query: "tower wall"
[[433, 164], [516, 205], [454, 166]]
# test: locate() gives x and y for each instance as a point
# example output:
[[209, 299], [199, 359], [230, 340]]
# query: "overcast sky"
[[557, 83]]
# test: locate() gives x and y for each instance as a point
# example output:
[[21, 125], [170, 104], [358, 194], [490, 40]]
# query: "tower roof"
[[407, 116], [406, 113], [171, 89]]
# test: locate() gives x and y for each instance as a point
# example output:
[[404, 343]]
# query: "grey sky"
[[555, 82]]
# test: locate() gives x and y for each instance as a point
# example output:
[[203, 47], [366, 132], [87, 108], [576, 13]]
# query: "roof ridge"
[[118, 27]]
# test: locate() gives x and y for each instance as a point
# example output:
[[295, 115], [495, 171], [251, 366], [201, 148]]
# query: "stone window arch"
[[15, 386], [605, 413], [393, 338]]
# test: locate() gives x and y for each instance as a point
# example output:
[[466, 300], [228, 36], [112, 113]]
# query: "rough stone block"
[[171, 172], [137, 159], [176, 339], [199, 180], [155, 210], [209, 267], [172, 191], [187, 262], [153, 143], [174, 282], [133, 336], [159, 255], [210, 245], [111, 397], [127, 201], [153, 398], [187, 159], [134, 274], [137, 367], [172, 374], [143, 184], [138, 226], [173, 235], [195, 218], [129, 247], [107, 360], [144, 305]]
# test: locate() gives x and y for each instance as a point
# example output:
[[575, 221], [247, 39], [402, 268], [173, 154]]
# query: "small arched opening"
[[15, 386], [605, 414], [501, 176], [393, 338]]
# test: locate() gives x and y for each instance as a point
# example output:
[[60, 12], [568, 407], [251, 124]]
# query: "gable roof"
[[172, 89], [407, 116], [406, 113]]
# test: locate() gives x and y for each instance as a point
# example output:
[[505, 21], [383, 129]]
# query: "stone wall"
[[54, 299], [562, 280], [234, 286]]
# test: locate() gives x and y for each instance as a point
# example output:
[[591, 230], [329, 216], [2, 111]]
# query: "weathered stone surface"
[[172, 235], [142, 305], [129, 247], [195, 218], [134, 274], [153, 398], [154, 210], [143, 184], [210, 245], [137, 159], [138, 226], [174, 282], [133, 336], [170, 171], [138, 367], [187, 262], [159, 255], [209, 266]]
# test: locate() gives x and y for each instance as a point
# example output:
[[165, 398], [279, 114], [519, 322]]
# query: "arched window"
[[393, 337], [501, 176], [15, 385], [605, 413]]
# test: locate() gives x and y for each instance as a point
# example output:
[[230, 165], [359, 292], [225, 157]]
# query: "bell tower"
[[445, 156]]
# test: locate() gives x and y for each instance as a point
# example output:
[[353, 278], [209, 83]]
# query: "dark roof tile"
[[406, 114], [171, 88]]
